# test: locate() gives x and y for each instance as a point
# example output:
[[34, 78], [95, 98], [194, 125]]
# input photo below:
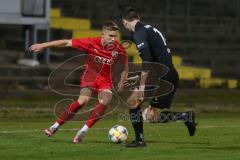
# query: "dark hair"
[[130, 14], [110, 25]]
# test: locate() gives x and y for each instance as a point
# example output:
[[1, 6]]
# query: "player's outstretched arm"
[[38, 47], [143, 79], [123, 79]]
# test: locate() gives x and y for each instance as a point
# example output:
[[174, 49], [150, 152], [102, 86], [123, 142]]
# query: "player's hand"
[[121, 86], [140, 95], [140, 92], [131, 81], [36, 48]]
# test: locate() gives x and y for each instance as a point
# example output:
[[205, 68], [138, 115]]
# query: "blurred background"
[[203, 36]]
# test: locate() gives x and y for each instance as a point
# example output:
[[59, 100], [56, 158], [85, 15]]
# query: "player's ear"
[[102, 34]]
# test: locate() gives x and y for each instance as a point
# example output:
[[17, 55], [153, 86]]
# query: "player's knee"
[[104, 101], [133, 103], [83, 100], [105, 97]]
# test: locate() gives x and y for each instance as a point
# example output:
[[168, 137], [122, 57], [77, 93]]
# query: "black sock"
[[137, 123], [167, 116]]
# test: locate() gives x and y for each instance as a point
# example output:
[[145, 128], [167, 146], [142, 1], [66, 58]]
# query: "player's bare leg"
[[151, 114], [82, 100], [155, 115], [136, 119], [104, 99]]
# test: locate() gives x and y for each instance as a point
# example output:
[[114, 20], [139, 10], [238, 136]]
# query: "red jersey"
[[100, 59]]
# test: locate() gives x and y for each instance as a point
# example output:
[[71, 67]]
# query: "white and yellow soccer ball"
[[118, 134]]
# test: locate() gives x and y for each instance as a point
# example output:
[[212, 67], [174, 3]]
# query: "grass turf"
[[217, 138], [25, 114]]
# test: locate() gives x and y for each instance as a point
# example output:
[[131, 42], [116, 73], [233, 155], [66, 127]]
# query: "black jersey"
[[152, 45]]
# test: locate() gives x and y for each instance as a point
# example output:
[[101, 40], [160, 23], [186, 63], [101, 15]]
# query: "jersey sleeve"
[[81, 44], [142, 45], [143, 49]]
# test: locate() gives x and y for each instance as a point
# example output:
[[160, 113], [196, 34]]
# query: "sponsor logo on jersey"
[[147, 26], [140, 45], [103, 60]]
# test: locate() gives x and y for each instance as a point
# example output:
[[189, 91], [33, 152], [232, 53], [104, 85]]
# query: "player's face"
[[109, 36], [126, 24]]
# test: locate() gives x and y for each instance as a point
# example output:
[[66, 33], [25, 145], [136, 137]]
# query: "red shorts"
[[98, 85]]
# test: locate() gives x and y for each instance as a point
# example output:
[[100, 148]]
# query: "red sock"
[[69, 112], [95, 115]]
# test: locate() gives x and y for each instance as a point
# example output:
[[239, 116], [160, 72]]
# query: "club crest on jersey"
[[114, 54]]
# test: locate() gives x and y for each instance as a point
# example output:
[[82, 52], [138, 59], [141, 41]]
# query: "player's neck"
[[104, 43], [133, 24]]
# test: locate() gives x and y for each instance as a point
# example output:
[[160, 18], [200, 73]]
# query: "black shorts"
[[165, 101]]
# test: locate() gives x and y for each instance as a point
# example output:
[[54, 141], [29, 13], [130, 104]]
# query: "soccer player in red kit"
[[102, 53]]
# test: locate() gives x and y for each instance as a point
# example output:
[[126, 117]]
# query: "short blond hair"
[[110, 25]]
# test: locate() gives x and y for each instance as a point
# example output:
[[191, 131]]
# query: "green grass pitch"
[[217, 138], [24, 115]]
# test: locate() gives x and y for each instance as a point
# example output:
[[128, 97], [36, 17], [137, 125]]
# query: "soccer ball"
[[118, 134]]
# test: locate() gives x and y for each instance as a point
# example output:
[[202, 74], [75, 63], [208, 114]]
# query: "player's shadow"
[[97, 141]]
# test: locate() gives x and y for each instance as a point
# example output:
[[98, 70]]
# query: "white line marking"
[[104, 128], [41, 130], [212, 126]]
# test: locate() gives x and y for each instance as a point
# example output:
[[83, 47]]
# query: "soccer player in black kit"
[[152, 47]]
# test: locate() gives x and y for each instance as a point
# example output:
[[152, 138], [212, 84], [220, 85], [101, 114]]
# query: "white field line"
[[213, 126], [76, 129], [41, 130]]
